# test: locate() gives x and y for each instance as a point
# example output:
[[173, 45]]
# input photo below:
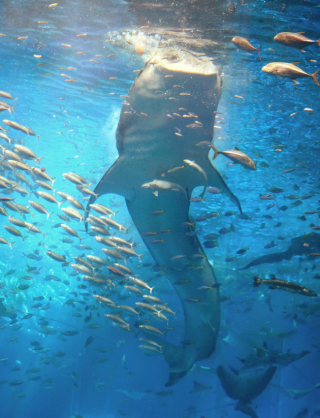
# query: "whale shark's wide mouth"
[[170, 49], [183, 61]]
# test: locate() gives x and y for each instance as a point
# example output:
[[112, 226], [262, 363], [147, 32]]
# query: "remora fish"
[[283, 284], [148, 148]]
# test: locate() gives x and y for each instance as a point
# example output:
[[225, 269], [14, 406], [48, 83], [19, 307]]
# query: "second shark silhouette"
[[304, 244], [245, 387]]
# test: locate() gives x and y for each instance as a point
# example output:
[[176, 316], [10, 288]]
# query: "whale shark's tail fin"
[[176, 371], [215, 179], [179, 365], [178, 361]]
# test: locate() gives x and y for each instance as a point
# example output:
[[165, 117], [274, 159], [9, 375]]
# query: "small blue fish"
[[197, 256], [214, 190], [215, 286], [191, 233], [196, 199], [191, 300], [181, 281], [228, 259], [272, 244], [89, 340]]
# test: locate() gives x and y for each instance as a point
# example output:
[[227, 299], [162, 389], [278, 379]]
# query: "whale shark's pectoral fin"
[[116, 180], [174, 355], [215, 179], [244, 387]]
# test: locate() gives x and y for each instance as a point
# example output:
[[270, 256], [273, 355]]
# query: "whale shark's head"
[[178, 90]]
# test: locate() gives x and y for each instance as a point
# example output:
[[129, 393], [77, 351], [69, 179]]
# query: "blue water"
[[76, 122]]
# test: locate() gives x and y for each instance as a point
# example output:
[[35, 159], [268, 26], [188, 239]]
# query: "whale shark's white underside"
[[168, 111]]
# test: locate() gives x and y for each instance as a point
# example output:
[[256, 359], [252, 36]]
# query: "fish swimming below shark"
[[153, 143]]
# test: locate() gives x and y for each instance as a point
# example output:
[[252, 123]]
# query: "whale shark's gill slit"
[[148, 148]]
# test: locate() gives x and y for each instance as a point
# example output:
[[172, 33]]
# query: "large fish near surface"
[[284, 69], [168, 111], [295, 40]]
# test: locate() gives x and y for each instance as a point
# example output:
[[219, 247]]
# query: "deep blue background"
[[77, 123]]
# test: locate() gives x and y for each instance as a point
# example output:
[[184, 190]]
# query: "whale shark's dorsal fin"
[[244, 387]]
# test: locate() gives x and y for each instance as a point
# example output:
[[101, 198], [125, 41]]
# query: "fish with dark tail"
[[275, 283]]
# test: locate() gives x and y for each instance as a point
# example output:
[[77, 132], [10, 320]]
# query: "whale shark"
[[163, 139], [244, 387]]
